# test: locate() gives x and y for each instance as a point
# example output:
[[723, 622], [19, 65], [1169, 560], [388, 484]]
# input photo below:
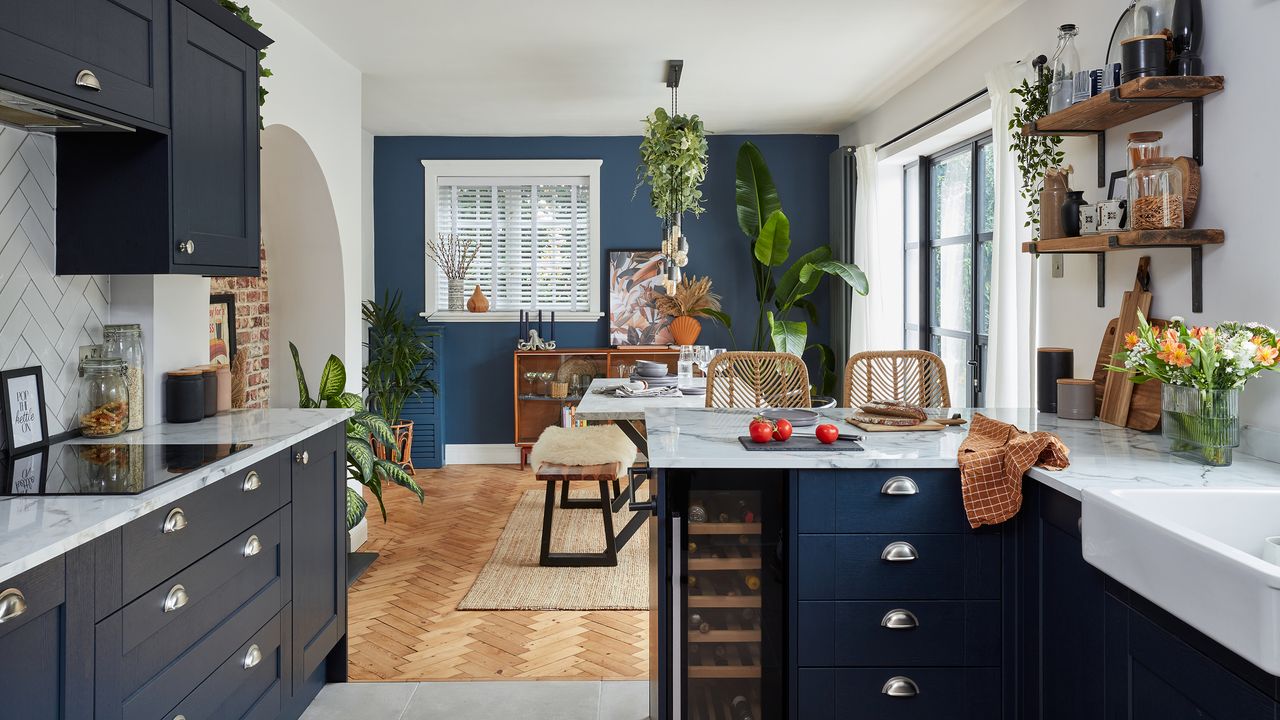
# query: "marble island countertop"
[[1101, 455], [37, 529]]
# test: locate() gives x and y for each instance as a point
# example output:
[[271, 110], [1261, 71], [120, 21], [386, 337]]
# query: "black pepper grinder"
[[1188, 37]]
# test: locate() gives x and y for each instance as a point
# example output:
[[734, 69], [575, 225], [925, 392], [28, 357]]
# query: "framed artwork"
[[222, 328], [26, 474], [22, 396], [634, 275], [1119, 187]]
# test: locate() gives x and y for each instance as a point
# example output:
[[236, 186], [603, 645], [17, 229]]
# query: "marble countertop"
[[1101, 455], [37, 529], [595, 406]]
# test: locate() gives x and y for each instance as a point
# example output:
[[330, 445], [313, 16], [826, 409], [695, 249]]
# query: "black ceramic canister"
[[210, 374], [1052, 364], [184, 396], [1144, 56]]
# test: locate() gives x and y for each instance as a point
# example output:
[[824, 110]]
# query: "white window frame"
[[436, 169]]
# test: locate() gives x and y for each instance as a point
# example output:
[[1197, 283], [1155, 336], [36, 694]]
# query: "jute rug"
[[513, 579]]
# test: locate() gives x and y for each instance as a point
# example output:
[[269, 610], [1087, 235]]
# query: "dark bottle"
[[752, 581], [693, 547], [693, 581], [745, 514], [1071, 212], [697, 511], [744, 539], [696, 622], [740, 709], [722, 517], [720, 651], [1188, 37], [748, 615]]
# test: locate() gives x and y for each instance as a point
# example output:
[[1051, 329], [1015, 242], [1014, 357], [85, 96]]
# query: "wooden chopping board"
[[926, 426], [1117, 394], [1144, 405]]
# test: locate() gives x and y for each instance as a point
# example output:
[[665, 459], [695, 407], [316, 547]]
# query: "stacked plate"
[[650, 369], [694, 390], [655, 382], [797, 416]]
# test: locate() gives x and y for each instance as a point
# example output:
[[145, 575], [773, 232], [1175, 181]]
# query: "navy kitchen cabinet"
[[183, 198], [104, 57]]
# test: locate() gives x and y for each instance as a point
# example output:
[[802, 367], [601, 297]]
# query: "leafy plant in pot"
[[399, 360], [1035, 153], [761, 219], [365, 431], [692, 297], [673, 160]]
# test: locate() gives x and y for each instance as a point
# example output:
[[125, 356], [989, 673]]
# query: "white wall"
[[1241, 277], [318, 94]]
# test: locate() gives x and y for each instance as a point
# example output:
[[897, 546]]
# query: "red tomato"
[[782, 430], [761, 431], [827, 434]]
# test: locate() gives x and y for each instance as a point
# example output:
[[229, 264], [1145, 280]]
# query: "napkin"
[[993, 459]]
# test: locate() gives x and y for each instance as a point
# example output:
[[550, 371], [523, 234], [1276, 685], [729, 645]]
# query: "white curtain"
[[1010, 354], [868, 328]]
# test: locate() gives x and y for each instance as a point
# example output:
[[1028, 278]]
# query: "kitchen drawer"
[[248, 682], [945, 567], [124, 44], [33, 642], [881, 501], [145, 638], [915, 632], [859, 694], [213, 515]]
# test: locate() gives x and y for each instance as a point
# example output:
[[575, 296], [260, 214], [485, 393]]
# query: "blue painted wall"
[[478, 368]]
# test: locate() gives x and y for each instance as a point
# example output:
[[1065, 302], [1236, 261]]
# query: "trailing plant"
[[761, 219], [673, 161], [364, 430], [242, 12], [399, 358], [1036, 153]]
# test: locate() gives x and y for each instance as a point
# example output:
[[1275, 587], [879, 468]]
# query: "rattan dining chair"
[[757, 380], [913, 376]]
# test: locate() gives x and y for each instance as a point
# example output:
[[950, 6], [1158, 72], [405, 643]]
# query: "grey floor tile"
[[624, 700], [343, 701], [503, 700]]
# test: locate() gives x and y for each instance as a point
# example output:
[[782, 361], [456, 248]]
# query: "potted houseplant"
[[1203, 370], [366, 431], [691, 298], [673, 161], [454, 255], [1035, 153], [399, 360]]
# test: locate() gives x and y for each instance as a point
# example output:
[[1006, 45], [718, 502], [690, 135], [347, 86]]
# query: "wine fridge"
[[726, 585]]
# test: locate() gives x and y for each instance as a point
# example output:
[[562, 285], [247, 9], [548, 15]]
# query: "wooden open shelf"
[[1130, 240], [1132, 100], [719, 528]]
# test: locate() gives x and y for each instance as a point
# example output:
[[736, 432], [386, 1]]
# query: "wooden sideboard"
[[535, 406]]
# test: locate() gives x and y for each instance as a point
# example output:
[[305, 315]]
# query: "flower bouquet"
[[1203, 369]]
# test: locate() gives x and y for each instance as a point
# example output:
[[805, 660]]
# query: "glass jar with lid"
[[1155, 195], [1144, 146], [1064, 65], [104, 397], [125, 342]]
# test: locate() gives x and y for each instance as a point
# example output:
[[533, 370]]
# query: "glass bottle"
[[1155, 195], [125, 342], [1064, 65], [684, 366], [104, 397]]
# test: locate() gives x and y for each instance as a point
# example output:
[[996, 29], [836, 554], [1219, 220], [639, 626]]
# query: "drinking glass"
[[684, 366]]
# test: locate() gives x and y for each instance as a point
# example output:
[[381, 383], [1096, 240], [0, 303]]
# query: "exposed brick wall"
[[253, 329]]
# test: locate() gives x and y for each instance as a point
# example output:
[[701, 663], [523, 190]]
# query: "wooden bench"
[[605, 476]]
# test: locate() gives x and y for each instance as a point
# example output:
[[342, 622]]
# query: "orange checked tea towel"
[[992, 462]]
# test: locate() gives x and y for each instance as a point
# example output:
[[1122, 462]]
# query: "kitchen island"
[[218, 589], [848, 584]]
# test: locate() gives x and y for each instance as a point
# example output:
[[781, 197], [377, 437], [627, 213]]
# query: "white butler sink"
[[1197, 553]]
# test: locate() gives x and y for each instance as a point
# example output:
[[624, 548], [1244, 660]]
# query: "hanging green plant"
[[1036, 153], [242, 12], [673, 161]]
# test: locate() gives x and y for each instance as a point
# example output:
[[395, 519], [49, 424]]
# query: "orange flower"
[[1267, 355], [1199, 332], [1171, 336], [1131, 340], [1174, 353]]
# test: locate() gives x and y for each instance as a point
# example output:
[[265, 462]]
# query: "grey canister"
[[1076, 399]]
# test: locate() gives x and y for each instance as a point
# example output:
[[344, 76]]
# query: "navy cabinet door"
[[215, 147], [319, 550]]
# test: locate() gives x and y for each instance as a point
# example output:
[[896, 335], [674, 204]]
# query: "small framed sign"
[[22, 396], [26, 474], [222, 328]]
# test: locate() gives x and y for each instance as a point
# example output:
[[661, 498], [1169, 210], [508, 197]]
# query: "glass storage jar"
[[104, 397], [1144, 146], [125, 342], [1155, 195], [1064, 65]]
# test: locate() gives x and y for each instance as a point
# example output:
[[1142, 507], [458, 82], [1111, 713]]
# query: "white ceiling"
[[596, 67]]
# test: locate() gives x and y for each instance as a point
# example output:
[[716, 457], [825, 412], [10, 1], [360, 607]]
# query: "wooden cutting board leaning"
[[1144, 406], [1118, 391]]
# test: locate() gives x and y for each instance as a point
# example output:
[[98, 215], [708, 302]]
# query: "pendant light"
[[675, 246]]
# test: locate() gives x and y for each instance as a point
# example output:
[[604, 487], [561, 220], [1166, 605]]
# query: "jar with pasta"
[[104, 397], [125, 342], [1155, 195]]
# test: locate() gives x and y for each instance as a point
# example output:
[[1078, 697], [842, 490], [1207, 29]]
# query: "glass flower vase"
[[1201, 425]]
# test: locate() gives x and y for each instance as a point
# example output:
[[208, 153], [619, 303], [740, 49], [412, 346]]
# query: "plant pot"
[[403, 430], [456, 291], [685, 330], [1201, 425]]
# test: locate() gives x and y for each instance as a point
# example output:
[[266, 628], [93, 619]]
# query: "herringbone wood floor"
[[402, 619]]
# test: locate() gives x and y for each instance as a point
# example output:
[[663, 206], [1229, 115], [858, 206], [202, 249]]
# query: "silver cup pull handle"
[[900, 619], [12, 604], [253, 657], [899, 551], [252, 546], [86, 79], [174, 521], [177, 598], [900, 686], [251, 481], [900, 485]]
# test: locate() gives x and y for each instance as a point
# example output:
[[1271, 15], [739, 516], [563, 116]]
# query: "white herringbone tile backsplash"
[[43, 318]]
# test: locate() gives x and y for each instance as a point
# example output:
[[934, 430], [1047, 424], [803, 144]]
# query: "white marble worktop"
[[1101, 455], [37, 529], [596, 406]]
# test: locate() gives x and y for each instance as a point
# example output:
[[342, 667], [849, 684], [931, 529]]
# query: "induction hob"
[[73, 468]]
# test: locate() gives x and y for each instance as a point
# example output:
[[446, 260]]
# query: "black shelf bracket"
[[1102, 280], [1102, 159], [1197, 279]]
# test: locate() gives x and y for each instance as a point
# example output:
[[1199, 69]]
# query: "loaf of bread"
[[894, 408], [874, 419]]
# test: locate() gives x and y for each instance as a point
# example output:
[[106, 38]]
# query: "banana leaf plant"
[[364, 429], [762, 220]]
